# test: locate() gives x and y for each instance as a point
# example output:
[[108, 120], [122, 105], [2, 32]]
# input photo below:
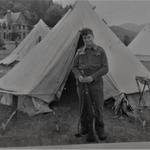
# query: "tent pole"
[[13, 113]]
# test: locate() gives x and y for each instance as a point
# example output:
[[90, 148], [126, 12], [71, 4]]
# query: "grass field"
[[41, 130]]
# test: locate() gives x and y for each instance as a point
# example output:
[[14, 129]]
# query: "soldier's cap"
[[86, 31]]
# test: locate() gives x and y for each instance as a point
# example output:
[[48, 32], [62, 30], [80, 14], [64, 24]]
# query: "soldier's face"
[[88, 39]]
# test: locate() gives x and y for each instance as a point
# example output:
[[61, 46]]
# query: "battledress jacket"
[[92, 61]]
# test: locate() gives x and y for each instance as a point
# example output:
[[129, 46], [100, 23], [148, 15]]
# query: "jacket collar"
[[94, 47]]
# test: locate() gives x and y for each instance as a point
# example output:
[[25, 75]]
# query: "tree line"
[[33, 10]]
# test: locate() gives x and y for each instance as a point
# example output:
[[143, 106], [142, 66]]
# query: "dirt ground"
[[48, 130], [60, 129]]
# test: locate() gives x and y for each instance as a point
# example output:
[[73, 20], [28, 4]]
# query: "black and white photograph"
[[74, 73]]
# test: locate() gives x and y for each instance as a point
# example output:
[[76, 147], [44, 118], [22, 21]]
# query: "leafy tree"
[[18, 7], [54, 14], [33, 10], [31, 17], [37, 9]]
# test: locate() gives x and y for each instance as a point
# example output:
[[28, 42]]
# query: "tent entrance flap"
[[69, 79], [69, 82]]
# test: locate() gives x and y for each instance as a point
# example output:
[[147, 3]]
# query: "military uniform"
[[93, 62]]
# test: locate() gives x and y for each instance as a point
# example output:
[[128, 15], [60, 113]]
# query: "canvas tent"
[[54, 56], [140, 46], [35, 36]]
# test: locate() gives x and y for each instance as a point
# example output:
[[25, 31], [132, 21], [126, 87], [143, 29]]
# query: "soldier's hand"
[[81, 79], [88, 79]]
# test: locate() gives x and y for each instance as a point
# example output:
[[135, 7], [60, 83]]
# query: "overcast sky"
[[117, 12]]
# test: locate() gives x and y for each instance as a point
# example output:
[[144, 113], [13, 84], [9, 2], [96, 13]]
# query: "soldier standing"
[[91, 59]]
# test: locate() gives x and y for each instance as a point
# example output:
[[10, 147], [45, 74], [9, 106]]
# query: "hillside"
[[132, 27], [121, 33]]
